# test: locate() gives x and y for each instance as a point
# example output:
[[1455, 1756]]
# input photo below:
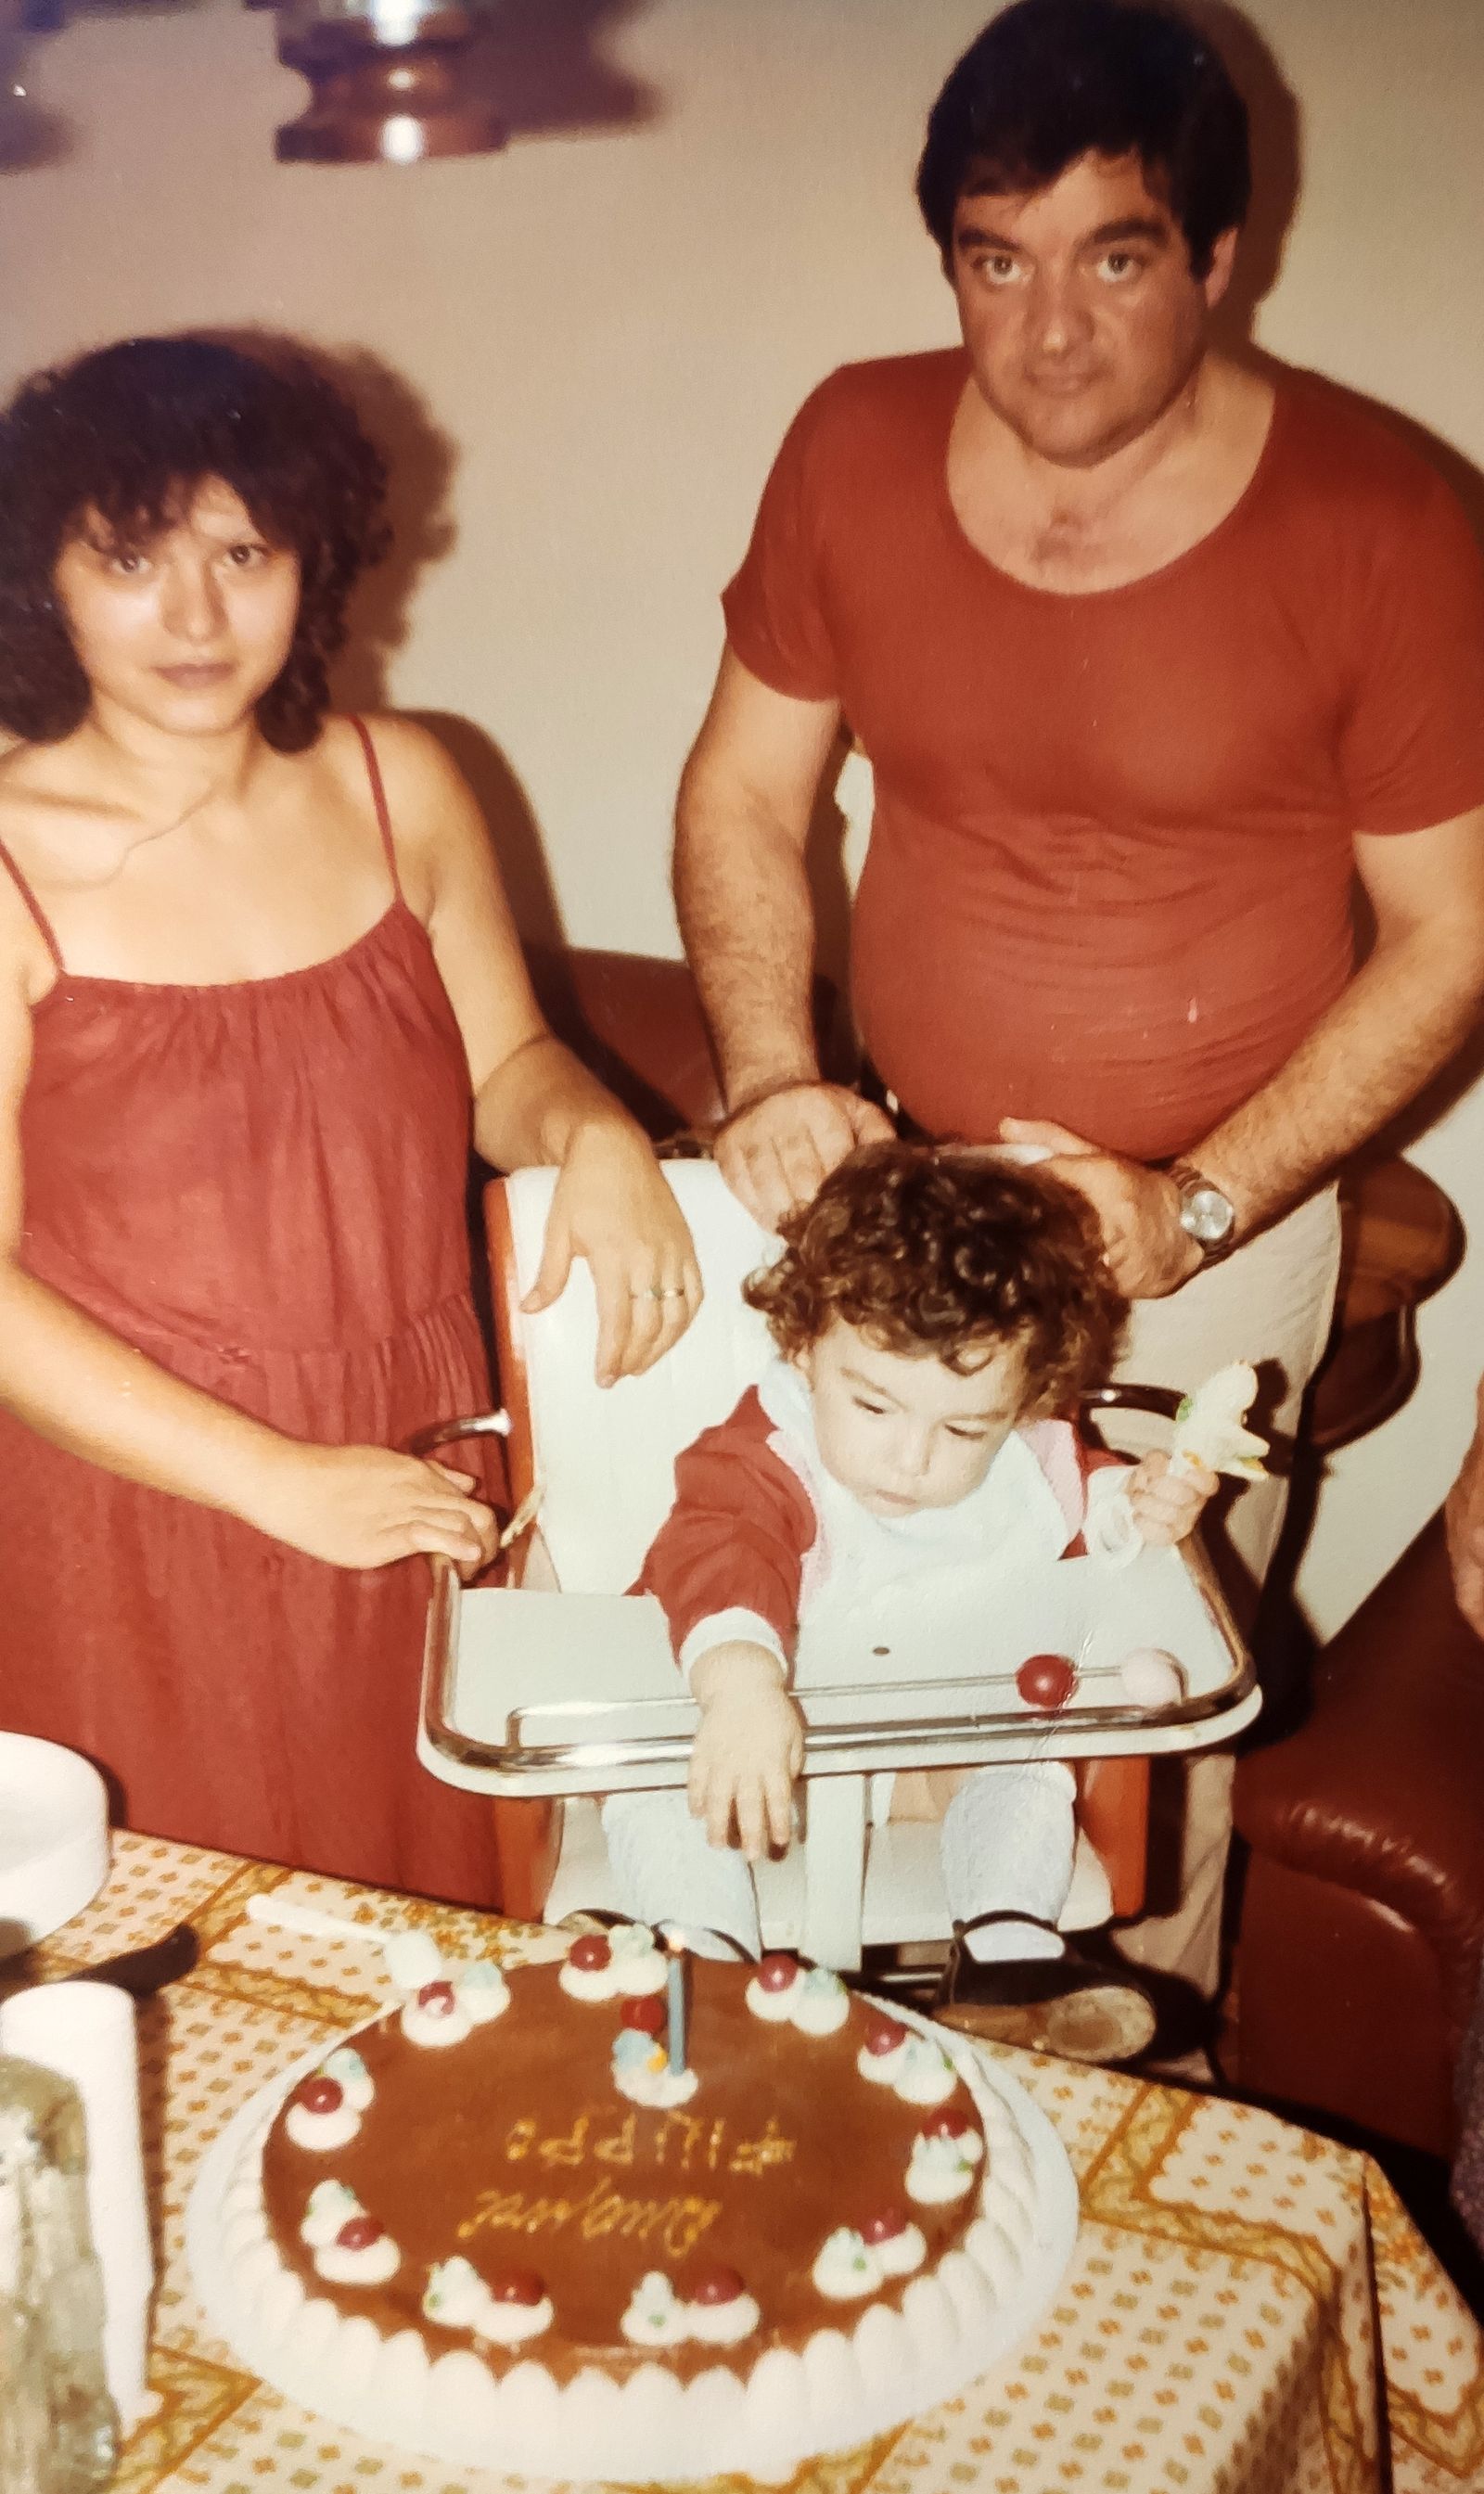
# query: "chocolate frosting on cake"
[[512, 2148]]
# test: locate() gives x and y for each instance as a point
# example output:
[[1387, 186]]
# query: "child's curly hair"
[[127, 434], [949, 1254]]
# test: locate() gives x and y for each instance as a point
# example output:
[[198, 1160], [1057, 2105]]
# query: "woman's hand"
[[1165, 1502], [749, 1751], [611, 1206], [363, 1506]]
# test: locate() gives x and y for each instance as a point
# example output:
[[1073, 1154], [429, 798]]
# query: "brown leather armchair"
[[1362, 1902], [1362, 1916]]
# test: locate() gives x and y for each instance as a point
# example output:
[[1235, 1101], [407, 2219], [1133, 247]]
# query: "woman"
[[259, 983]]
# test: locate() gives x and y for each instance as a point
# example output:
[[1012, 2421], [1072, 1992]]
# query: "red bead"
[[319, 2095], [1047, 1680], [884, 2034], [647, 2015], [883, 2224], [589, 1954], [711, 2282], [948, 2124], [776, 1972], [436, 1998], [518, 2286], [358, 2234]]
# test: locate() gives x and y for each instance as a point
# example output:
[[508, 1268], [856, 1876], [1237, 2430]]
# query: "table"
[[1249, 2309]]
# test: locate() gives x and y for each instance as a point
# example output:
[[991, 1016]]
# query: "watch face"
[[1207, 1215]]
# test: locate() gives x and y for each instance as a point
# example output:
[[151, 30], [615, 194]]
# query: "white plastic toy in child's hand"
[[1209, 1426]]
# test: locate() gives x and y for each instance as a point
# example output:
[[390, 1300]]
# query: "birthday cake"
[[582, 2222]]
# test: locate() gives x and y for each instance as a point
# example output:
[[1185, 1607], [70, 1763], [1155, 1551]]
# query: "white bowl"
[[54, 1837]]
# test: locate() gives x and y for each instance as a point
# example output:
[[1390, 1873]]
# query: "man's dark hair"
[[1051, 80], [124, 438]]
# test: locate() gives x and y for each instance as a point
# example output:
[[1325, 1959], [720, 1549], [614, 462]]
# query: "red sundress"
[[262, 1186]]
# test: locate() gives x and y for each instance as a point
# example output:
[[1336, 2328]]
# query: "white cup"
[[85, 2031]]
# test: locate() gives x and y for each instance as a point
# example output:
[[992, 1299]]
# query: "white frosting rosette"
[[435, 2016], [900, 2253], [325, 2110], [846, 2267], [350, 2247], [657, 2316], [918, 2069], [813, 1999], [349, 2072], [482, 1992], [642, 2072], [942, 2168], [458, 2297], [635, 1964]]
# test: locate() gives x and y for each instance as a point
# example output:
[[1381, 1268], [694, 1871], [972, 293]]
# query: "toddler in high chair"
[[936, 1314]]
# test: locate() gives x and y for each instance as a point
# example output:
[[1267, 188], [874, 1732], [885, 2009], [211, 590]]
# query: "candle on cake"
[[674, 2004]]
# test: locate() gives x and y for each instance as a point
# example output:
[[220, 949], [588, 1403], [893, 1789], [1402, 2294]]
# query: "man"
[[1151, 655]]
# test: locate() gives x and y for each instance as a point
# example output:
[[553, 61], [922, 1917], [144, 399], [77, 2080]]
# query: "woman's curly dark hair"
[[949, 1253], [128, 434]]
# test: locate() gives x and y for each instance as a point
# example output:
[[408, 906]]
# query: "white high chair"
[[562, 1687]]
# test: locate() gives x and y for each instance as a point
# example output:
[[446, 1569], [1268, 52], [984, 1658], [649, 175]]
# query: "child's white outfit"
[[760, 1538]]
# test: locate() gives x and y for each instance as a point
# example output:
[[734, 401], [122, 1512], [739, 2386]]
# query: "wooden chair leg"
[[528, 1839], [1113, 1810]]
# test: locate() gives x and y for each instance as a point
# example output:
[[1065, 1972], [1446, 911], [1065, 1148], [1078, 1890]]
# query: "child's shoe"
[[1049, 2004]]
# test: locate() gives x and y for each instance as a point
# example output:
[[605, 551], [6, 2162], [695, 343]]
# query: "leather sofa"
[[1362, 1917], [1362, 1910]]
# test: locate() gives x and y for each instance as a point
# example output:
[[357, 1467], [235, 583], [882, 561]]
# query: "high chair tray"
[[531, 1693]]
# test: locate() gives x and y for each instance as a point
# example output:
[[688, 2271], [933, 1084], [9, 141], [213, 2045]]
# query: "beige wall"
[[608, 330]]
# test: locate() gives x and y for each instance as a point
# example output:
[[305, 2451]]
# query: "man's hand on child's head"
[[749, 1751], [1165, 1505]]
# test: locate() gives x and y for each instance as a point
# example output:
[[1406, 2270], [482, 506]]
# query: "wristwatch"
[[1206, 1215]]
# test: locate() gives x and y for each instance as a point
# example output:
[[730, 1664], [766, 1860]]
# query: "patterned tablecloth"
[[1248, 2310]]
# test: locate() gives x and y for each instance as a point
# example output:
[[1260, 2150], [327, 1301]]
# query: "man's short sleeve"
[[1411, 748], [773, 608]]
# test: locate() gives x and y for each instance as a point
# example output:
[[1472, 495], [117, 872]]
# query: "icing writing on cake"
[[713, 2308], [349, 2246], [517, 2308], [674, 2140], [676, 2222]]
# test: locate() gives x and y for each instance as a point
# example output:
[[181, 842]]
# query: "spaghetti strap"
[[35, 907], [378, 800]]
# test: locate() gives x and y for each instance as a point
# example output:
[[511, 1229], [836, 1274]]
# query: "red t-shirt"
[[1108, 877]]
